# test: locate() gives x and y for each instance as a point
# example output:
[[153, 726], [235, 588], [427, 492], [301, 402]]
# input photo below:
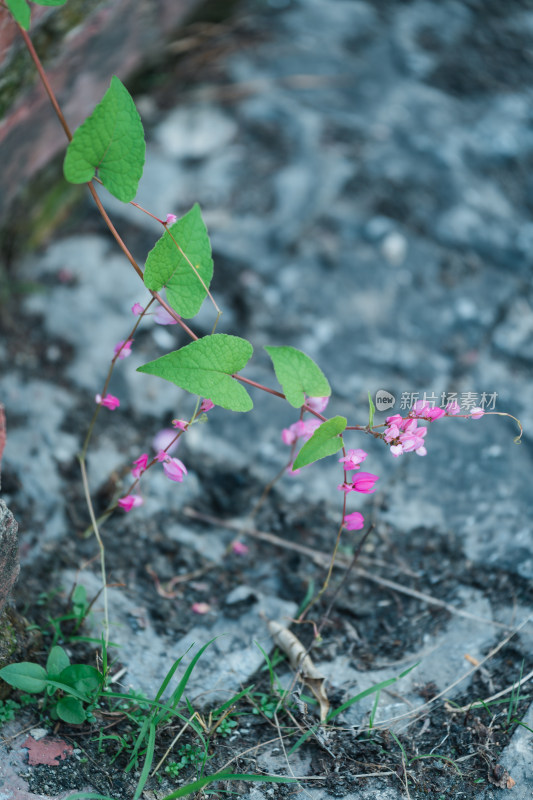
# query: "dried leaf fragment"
[[499, 777], [302, 663]]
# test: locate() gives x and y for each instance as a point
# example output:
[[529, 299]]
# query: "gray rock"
[[9, 556], [516, 759], [149, 656]]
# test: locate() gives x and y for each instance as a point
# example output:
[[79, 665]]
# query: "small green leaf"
[[298, 375], [111, 141], [79, 600], [71, 710], [205, 367], [83, 677], [167, 266], [57, 660], [25, 675], [21, 11], [50, 2], [325, 441], [371, 410]]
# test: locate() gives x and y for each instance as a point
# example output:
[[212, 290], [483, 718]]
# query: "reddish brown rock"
[[81, 45]]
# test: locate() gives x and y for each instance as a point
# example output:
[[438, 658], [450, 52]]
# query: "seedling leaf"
[[186, 270], [70, 710], [298, 375], [83, 677], [111, 141], [205, 367], [50, 2], [325, 441], [21, 11], [25, 675], [57, 660], [67, 688]]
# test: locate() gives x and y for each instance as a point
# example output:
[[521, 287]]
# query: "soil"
[[377, 629]]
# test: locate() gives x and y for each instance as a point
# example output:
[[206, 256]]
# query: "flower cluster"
[[404, 435]]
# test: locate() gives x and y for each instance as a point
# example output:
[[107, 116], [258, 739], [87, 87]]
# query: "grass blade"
[[147, 766], [195, 786], [332, 714], [177, 693]]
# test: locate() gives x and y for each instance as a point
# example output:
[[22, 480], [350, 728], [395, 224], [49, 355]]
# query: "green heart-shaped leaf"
[[21, 11], [325, 441], [111, 141], [186, 275], [205, 367], [298, 375]]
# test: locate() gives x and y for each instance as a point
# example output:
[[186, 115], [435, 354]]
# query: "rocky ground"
[[363, 169]]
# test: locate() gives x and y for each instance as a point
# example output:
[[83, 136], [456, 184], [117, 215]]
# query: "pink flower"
[[346, 487], [180, 423], [109, 401], [206, 405], [353, 459], [354, 521], [477, 413], [162, 440], [123, 349], [419, 409], [137, 309], [288, 437], [397, 419], [171, 218], [130, 501], [162, 317], [396, 450], [392, 432], [409, 425], [239, 548], [427, 412], [299, 429], [174, 469], [140, 465], [309, 428], [364, 482], [413, 439], [200, 608], [453, 408], [317, 403]]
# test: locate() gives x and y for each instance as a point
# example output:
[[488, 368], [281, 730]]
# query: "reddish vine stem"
[[120, 241], [46, 84]]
